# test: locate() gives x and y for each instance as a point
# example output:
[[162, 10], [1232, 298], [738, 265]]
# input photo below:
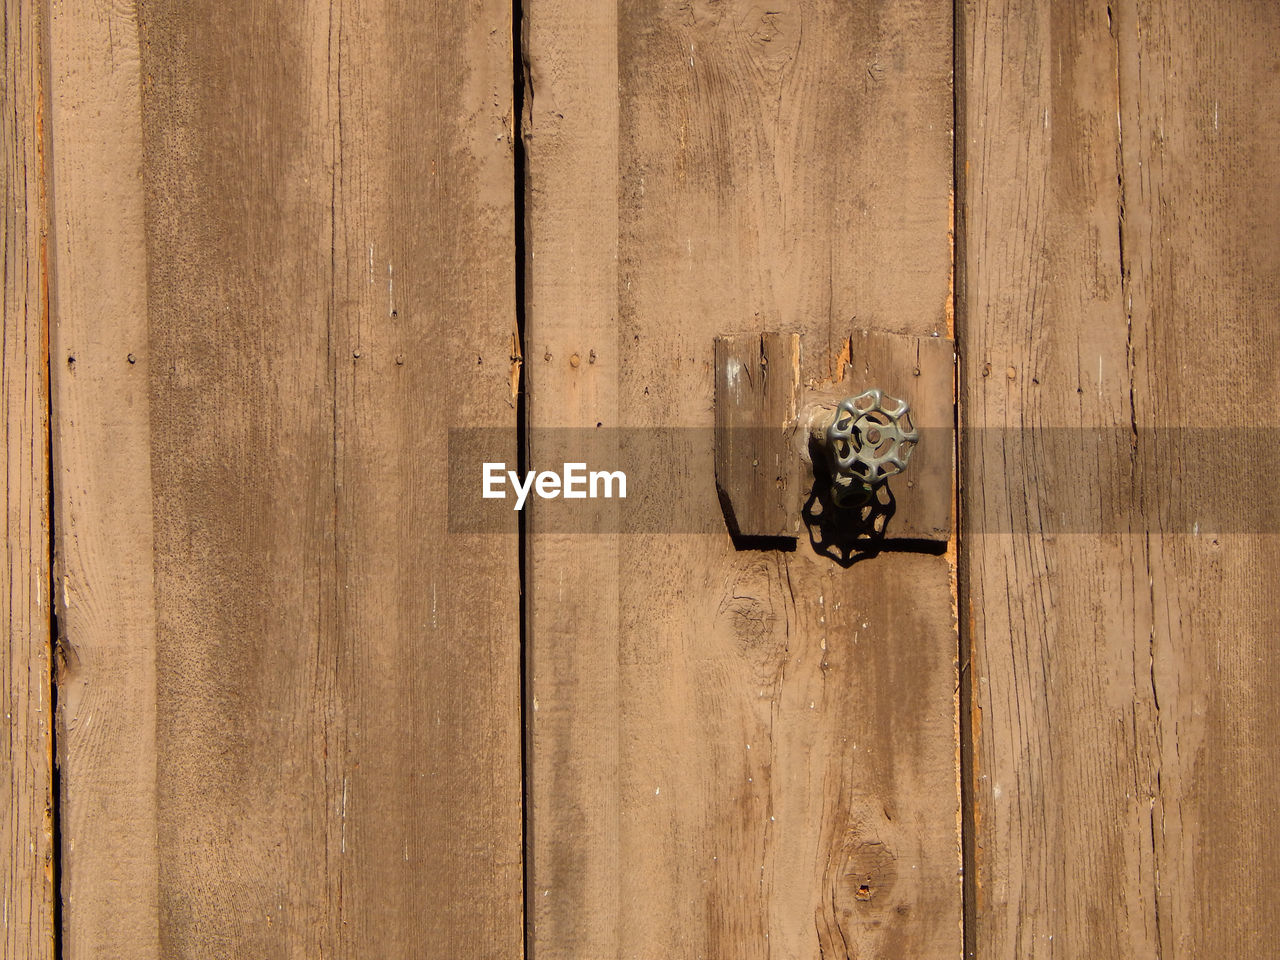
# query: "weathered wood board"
[[920, 370], [757, 395], [771, 476], [267, 261], [1120, 263], [733, 753], [106, 608], [284, 269], [26, 682]]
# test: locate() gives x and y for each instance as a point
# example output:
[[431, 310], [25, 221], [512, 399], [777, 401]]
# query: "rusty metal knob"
[[866, 440]]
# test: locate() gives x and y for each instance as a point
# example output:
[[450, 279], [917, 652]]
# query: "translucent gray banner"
[[1029, 480]]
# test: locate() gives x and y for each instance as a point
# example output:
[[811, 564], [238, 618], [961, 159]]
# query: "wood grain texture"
[[575, 760], [102, 488], [921, 371], [1200, 168], [26, 813], [1119, 267], [1062, 705], [757, 393], [734, 754], [285, 270]]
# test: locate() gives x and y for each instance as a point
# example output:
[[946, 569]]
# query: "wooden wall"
[[27, 900], [1121, 272], [261, 259], [290, 715], [734, 753]]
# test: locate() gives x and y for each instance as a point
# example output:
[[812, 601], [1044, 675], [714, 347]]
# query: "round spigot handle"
[[866, 440]]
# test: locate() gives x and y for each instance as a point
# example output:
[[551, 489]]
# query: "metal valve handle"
[[867, 439]]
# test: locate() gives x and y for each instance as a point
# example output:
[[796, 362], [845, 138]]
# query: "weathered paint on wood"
[[734, 753], [26, 813], [284, 270], [1119, 219]]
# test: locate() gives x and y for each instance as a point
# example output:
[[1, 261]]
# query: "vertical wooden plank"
[[102, 488], [425, 751], [734, 753], [1061, 700], [1061, 693], [1200, 136], [241, 167], [1119, 272], [757, 394], [573, 602], [255, 428], [26, 815]]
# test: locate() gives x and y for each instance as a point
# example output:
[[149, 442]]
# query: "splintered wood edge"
[[756, 471]]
